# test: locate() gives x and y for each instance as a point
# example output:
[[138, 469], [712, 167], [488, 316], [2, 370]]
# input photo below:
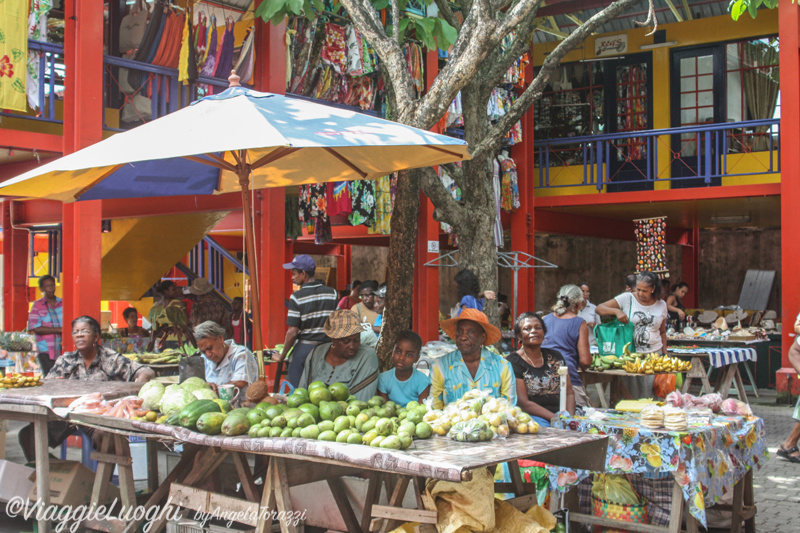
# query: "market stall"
[[715, 454], [39, 404]]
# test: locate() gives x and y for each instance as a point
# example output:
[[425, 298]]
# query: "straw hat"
[[201, 286], [342, 323], [493, 334]]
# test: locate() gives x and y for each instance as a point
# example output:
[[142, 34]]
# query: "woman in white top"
[[646, 310]]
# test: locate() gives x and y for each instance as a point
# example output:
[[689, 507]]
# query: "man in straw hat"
[[208, 306], [344, 359], [472, 365]]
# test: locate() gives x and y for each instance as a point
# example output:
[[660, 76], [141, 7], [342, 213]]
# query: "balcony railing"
[[700, 154]]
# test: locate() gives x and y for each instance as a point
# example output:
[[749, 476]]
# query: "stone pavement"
[[776, 485]]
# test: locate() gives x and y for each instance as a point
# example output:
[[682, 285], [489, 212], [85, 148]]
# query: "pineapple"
[[5, 340], [19, 343]]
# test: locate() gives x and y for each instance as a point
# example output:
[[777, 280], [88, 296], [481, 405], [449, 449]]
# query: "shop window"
[[571, 106], [752, 90]]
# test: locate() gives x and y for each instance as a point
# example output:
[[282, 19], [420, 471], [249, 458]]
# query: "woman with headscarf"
[[568, 334], [469, 292]]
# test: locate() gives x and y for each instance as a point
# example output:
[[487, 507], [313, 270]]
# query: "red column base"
[[787, 385]]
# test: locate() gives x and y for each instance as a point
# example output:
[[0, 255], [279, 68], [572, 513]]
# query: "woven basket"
[[619, 511]]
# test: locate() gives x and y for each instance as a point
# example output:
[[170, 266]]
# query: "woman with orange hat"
[[472, 365]]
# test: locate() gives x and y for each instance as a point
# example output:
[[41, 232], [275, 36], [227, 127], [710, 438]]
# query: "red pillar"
[[343, 267], [426, 278], [522, 220], [15, 271], [83, 126], [270, 204], [789, 34], [690, 264]]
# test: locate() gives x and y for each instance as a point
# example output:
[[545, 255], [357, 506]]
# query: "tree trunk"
[[400, 283]]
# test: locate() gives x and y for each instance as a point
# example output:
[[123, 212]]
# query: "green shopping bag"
[[612, 337]]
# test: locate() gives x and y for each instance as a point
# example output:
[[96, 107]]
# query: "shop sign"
[[611, 46]]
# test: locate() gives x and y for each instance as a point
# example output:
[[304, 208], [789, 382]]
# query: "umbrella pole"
[[243, 171]]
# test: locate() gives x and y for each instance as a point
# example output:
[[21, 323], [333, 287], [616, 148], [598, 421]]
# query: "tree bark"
[[400, 286]]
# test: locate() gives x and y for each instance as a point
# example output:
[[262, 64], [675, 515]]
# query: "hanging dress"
[[225, 54], [362, 196]]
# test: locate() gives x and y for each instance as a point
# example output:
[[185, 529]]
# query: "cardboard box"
[[71, 484], [14, 480]]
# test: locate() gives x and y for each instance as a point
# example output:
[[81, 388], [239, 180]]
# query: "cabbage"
[[205, 394], [193, 383], [175, 399], [151, 392]]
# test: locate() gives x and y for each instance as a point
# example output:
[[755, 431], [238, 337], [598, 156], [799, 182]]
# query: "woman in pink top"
[[351, 299]]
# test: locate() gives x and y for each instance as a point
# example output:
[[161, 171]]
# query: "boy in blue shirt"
[[404, 383]]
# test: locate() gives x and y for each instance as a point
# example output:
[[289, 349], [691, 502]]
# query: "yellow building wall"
[[687, 34]]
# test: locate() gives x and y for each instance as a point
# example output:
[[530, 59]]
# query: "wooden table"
[[730, 375], [36, 404], [294, 461]]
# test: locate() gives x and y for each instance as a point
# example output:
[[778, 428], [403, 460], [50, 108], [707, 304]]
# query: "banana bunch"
[[601, 363], [652, 363]]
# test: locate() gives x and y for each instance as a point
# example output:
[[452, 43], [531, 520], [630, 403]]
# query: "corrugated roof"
[[627, 21]]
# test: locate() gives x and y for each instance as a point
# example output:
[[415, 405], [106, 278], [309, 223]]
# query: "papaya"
[[191, 413], [235, 424], [242, 410], [211, 423]]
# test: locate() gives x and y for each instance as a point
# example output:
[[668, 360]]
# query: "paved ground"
[[777, 485]]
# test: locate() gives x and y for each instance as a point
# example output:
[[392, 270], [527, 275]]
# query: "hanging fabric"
[[225, 53], [355, 57], [136, 78], [210, 62], [200, 37], [338, 198], [37, 31], [362, 196], [322, 231], [509, 184], [13, 55], [293, 227], [244, 67], [498, 223], [333, 51], [312, 204], [450, 185], [131, 29], [186, 57], [383, 206], [158, 36], [414, 62]]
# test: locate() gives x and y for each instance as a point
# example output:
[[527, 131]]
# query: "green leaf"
[[428, 23], [425, 34], [449, 34], [272, 7], [308, 10], [278, 17], [752, 8], [381, 4], [295, 6], [319, 5], [737, 9]]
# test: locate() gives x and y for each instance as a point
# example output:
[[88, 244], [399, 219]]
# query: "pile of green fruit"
[[319, 412]]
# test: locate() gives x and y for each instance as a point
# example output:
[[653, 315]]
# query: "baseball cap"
[[301, 262]]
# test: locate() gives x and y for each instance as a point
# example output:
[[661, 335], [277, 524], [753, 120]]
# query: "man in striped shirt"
[[309, 308]]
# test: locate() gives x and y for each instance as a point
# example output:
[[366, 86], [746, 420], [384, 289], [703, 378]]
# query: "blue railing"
[[143, 92], [207, 260], [703, 153]]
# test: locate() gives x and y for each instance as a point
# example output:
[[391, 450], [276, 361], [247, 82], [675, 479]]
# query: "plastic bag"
[[614, 488], [475, 430], [189, 367], [663, 385], [498, 423]]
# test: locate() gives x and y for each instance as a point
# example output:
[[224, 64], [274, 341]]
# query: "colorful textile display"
[[706, 460], [362, 196], [333, 50], [37, 31], [500, 102], [415, 61], [651, 237], [383, 205], [225, 54], [516, 72], [509, 184], [312, 204], [498, 202], [338, 198], [13, 54]]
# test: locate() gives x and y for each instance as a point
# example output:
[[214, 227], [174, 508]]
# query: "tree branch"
[[447, 14], [369, 23], [515, 16], [449, 210], [489, 143], [519, 45], [396, 21]]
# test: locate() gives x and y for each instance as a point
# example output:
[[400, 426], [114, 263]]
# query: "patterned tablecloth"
[[706, 461], [719, 357]]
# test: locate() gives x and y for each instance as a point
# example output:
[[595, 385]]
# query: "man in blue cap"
[[309, 308]]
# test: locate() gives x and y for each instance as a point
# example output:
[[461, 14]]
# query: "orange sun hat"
[[493, 334]]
